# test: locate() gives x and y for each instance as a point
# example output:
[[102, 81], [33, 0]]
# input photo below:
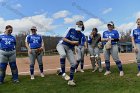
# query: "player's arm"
[[67, 35], [71, 42], [27, 45]]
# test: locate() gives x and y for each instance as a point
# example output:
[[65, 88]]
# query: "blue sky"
[[52, 17]]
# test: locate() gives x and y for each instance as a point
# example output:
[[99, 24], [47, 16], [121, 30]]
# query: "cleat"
[[100, 69], [138, 74], [42, 75], [71, 83], [32, 77], [16, 81], [82, 70], [65, 76], [107, 73], [121, 73], [94, 69]]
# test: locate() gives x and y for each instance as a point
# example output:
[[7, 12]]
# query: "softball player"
[[135, 37], [112, 36], [65, 48], [93, 46], [8, 54], [80, 51], [35, 46]]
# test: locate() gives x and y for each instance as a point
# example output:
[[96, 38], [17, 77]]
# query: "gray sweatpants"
[[8, 57], [113, 52], [138, 56], [33, 56], [94, 56], [64, 51], [80, 52]]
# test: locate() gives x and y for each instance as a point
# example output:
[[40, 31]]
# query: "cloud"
[[107, 10], [73, 19], [92, 22], [17, 6], [126, 27], [42, 23], [61, 14], [137, 15]]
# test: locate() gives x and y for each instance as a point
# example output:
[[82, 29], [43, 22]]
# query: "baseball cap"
[[110, 23], [33, 27]]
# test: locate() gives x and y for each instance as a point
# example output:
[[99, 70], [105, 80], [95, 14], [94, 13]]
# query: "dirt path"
[[51, 63]]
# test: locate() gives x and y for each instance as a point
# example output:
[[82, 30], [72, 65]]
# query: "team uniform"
[[66, 50], [93, 48], [35, 42], [113, 50], [8, 56], [80, 49], [136, 35]]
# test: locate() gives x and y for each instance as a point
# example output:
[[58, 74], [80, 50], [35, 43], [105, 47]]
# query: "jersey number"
[[7, 42]]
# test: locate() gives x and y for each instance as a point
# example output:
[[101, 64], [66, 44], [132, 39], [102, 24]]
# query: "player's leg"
[[40, 63], [92, 58], [3, 65], [98, 58], [32, 58], [114, 53], [61, 50], [138, 59], [107, 61], [82, 58], [13, 66], [78, 55], [72, 61]]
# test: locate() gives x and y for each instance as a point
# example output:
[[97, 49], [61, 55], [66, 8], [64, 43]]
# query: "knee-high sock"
[[32, 69], [77, 64], [62, 62], [14, 70], [72, 69], [119, 64], [82, 64], [107, 63], [2, 71], [41, 68]]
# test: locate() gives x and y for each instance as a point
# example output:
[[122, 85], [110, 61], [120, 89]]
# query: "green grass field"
[[87, 82]]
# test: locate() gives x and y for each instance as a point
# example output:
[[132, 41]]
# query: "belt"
[[7, 49]]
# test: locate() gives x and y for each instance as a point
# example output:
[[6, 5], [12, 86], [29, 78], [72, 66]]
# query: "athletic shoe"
[[94, 69], [107, 73], [100, 69], [75, 70], [59, 72], [138, 74], [82, 70], [121, 73], [71, 83], [1, 83], [42, 75], [16, 81], [32, 77], [65, 76]]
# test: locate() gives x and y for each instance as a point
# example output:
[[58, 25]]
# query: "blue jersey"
[[111, 34], [83, 40], [74, 35], [7, 42], [35, 41], [136, 34]]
